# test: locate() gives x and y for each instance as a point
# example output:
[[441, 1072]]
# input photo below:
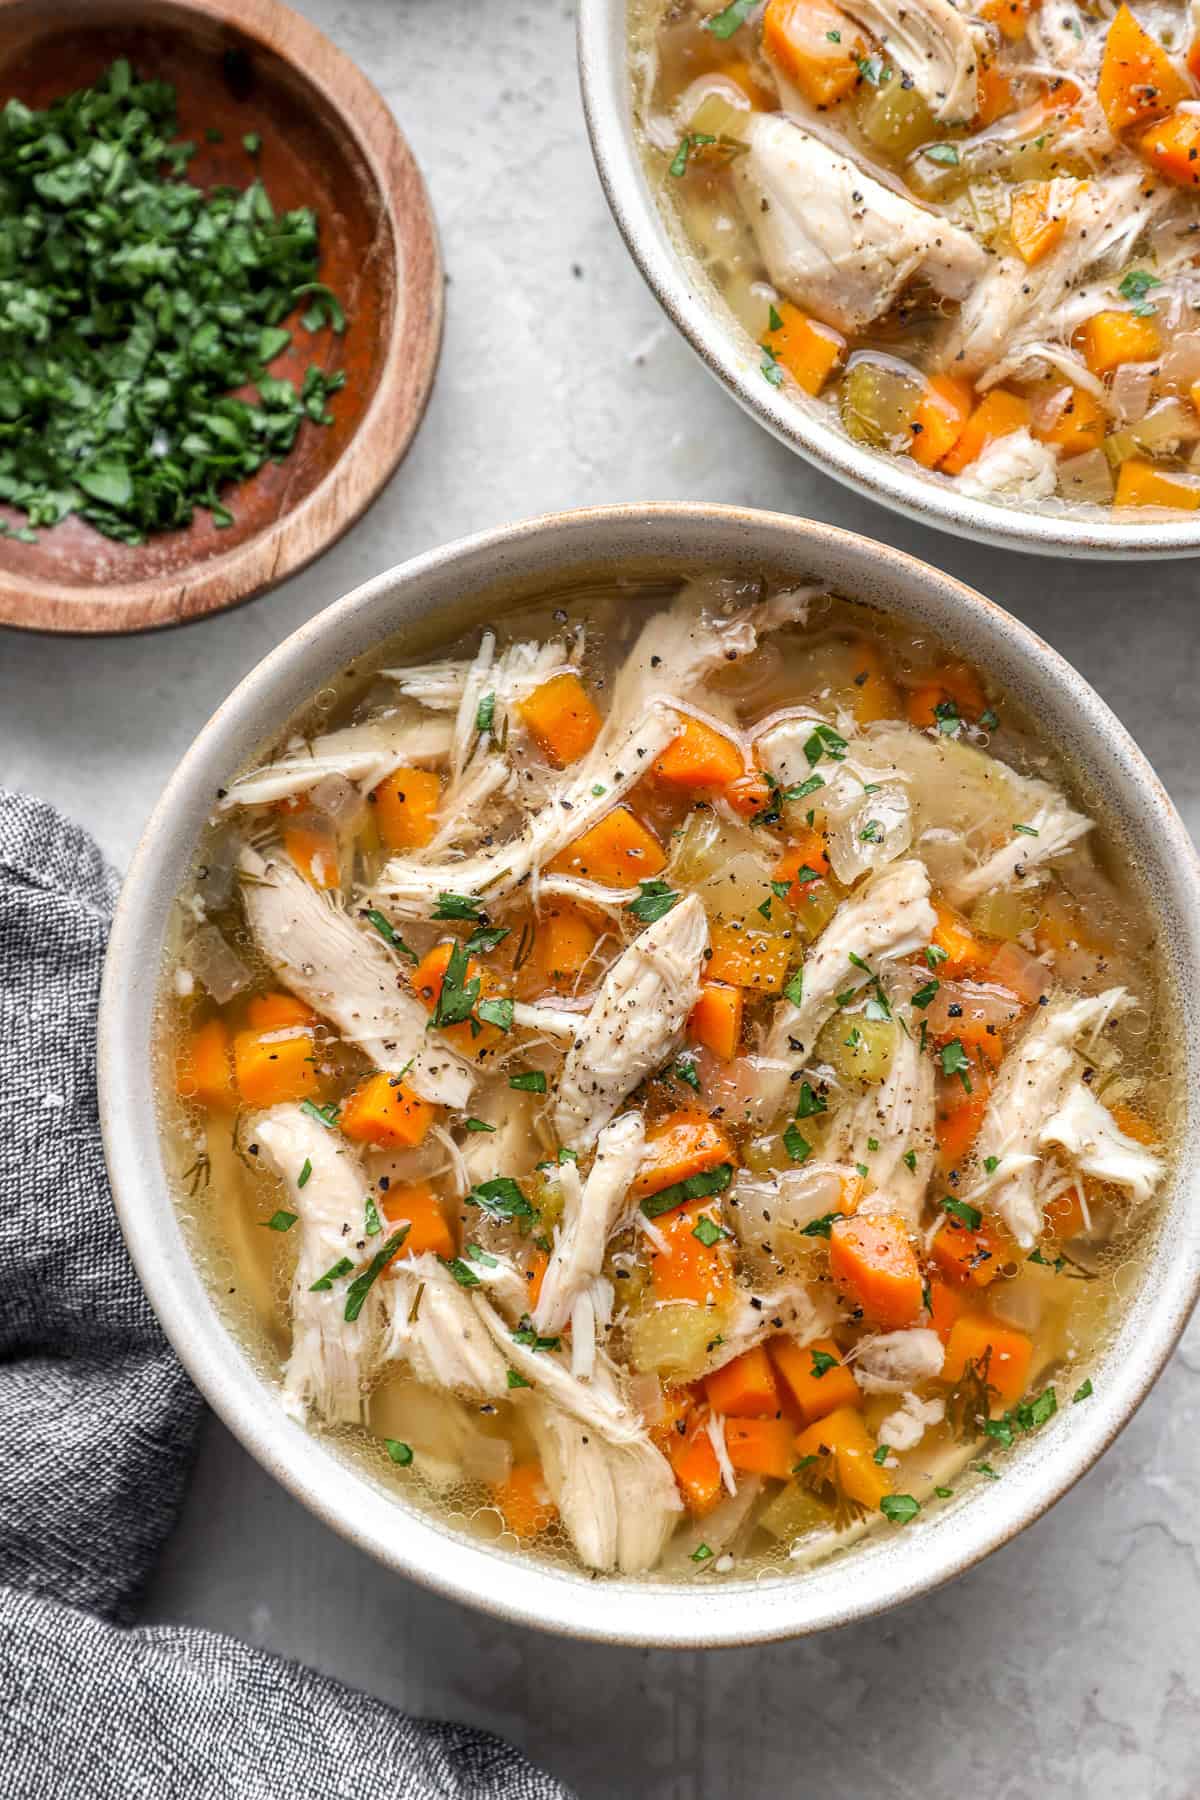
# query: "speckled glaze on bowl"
[[435, 597], [693, 305]]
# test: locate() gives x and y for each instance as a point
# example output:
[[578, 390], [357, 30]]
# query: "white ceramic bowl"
[[437, 596], [693, 304]]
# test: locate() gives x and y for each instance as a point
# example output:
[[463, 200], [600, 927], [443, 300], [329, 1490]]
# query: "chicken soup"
[[971, 230], [671, 1082]]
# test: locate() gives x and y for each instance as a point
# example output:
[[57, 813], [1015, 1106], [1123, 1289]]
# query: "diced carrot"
[[684, 1144], [743, 75], [696, 1470], [965, 953], [954, 682], [405, 808], [843, 1436], [808, 350], [1193, 59], [958, 1116], [1109, 339], [761, 1447], [1010, 17], [945, 1306], [1037, 220], [815, 45], [1022, 974], [749, 794], [805, 851], [315, 854], [816, 1394], [204, 1071], [274, 1066], [428, 979], [995, 94], [385, 1111], [716, 1019], [873, 1260], [998, 413], [524, 1501], [974, 1031], [1074, 420], [690, 1269], [699, 758], [1008, 1351], [562, 719], [563, 941], [968, 1257], [274, 1012], [1133, 1124], [747, 958], [618, 851], [874, 694], [1138, 80], [672, 1421], [940, 419], [535, 1264], [744, 1388], [1141, 484], [417, 1206]]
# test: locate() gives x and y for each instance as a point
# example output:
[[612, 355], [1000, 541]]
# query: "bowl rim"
[[602, 46], [883, 1570], [302, 532]]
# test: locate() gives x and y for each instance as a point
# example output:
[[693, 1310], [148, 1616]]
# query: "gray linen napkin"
[[97, 1427]]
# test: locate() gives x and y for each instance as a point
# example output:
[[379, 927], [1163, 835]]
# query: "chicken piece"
[[904, 1429], [331, 1357], [899, 1116], [1035, 1079], [888, 918], [436, 685], [433, 1326], [1049, 825], [591, 1314], [931, 43], [1013, 467], [836, 241], [1084, 1128], [590, 1214], [1013, 302], [596, 1404], [633, 1027], [512, 1147], [363, 754], [894, 1360], [619, 1504], [865, 830], [804, 1310], [541, 1018], [349, 976]]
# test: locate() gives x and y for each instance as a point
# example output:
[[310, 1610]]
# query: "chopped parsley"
[[771, 369], [501, 1199], [691, 140], [360, 1287], [924, 995], [685, 1070], [486, 938], [701, 1554], [374, 1222], [881, 1454], [874, 70], [457, 906], [821, 1227], [964, 1212], [947, 154], [810, 1102], [1027, 830], [899, 1508], [485, 714], [479, 1125], [324, 1115], [910, 1161], [796, 1144], [794, 987], [934, 954], [955, 1061], [496, 1012], [399, 1452], [530, 1081], [825, 741], [516, 1381], [282, 1221], [324, 1282], [991, 1164], [388, 932], [305, 1175], [1135, 286], [526, 1335], [822, 1362], [872, 832], [708, 1231], [774, 322], [696, 1187], [655, 900], [462, 1273], [1083, 1392], [727, 21], [458, 997], [803, 789], [944, 1493]]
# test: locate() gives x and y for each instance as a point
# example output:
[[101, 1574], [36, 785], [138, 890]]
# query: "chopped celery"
[[673, 1340], [1002, 915], [719, 113], [819, 902], [878, 401], [894, 118], [858, 1048], [793, 1512], [1086, 478]]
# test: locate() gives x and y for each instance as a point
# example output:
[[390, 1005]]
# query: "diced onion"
[[1130, 392], [215, 966], [338, 799], [1086, 479]]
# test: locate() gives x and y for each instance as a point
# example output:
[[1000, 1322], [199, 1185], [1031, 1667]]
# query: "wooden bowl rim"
[[388, 426]]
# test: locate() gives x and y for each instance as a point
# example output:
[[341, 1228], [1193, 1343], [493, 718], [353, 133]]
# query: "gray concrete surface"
[[1067, 1665]]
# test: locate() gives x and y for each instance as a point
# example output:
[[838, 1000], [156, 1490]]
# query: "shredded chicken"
[[331, 1358], [1034, 1081], [618, 1502], [1014, 467], [596, 1403], [433, 1326], [590, 1214], [1052, 826], [888, 918], [931, 43], [635, 1023], [898, 1117], [835, 240], [903, 1429], [803, 1310], [894, 1360], [364, 754], [1085, 1130], [349, 976]]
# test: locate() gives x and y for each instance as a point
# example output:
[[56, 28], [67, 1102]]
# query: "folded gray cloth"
[[97, 1427]]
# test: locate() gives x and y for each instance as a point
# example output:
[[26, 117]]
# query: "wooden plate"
[[328, 141]]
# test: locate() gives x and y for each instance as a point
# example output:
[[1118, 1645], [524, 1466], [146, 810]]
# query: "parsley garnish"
[[1027, 830], [696, 1187], [282, 1221], [821, 1227], [305, 1175], [388, 932], [796, 1145], [910, 1160], [899, 1508], [822, 1362], [955, 1061], [934, 954], [485, 714], [399, 1452], [531, 1081], [324, 1115], [341, 1267], [810, 1103], [872, 832], [1135, 286], [361, 1286], [496, 1012], [701, 1553], [708, 1231], [458, 996], [794, 987], [479, 1125], [685, 1070], [526, 1335], [1082, 1393], [516, 1381], [946, 154], [874, 70], [465, 1277], [654, 902], [457, 906], [924, 995], [774, 322], [501, 1199], [964, 1212], [803, 789], [374, 1222], [486, 938], [882, 1453], [726, 22]]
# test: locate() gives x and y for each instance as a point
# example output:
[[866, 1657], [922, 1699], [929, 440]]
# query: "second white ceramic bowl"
[[692, 303], [433, 599]]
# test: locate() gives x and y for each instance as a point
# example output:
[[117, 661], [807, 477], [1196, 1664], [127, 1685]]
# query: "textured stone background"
[[1066, 1665]]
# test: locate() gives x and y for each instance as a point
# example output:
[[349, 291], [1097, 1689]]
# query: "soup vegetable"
[[672, 1076], [970, 229]]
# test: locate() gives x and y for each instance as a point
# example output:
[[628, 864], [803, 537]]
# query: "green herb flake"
[[485, 714], [527, 1336], [875, 72], [944, 1493], [834, 37], [496, 1012], [955, 1061], [822, 1362], [899, 1508], [810, 1102], [794, 987], [323, 1115], [457, 906], [486, 938], [530, 1081], [872, 832], [654, 902], [696, 1187], [991, 1164], [934, 954], [803, 789], [947, 154], [924, 995], [501, 1199], [821, 1227], [516, 1381], [686, 1071], [989, 720], [400, 1453], [1084, 1392], [964, 1212], [774, 322], [305, 1175], [708, 1231], [374, 1222], [796, 1145], [282, 1221], [462, 1273], [910, 1161], [360, 1287], [701, 1554], [881, 1454], [252, 143], [986, 1469], [1135, 286], [341, 1267], [479, 1125], [458, 996], [727, 21]]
